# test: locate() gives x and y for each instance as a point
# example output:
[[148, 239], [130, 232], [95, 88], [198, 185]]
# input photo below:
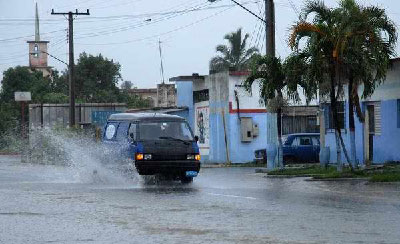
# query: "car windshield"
[[165, 130]]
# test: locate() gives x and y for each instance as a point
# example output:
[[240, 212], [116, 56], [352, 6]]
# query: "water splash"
[[78, 158]]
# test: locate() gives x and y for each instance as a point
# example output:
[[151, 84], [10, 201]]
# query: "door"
[[371, 132]]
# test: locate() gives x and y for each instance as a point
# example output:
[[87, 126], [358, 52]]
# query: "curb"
[[339, 179]]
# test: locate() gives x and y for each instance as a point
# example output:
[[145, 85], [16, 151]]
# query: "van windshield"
[[161, 130]]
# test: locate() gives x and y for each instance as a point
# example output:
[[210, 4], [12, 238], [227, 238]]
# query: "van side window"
[[132, 131], [122, 132], [110, 131]]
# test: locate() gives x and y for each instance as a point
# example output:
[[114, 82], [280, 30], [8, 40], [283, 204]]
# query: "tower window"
[[36, 51]]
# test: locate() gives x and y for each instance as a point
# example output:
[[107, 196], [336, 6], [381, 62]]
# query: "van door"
[[122, 140]]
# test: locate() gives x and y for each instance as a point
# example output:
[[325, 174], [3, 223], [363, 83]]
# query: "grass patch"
[[310, 170], [345, 174], [386, 177], [249, 164], [383, 173]]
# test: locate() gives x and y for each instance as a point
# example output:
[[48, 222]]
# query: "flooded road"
[[56, 204]]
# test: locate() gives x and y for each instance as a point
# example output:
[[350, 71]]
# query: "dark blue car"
[[301, 148]]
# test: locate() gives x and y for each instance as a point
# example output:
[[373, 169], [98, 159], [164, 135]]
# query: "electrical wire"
[[161, 34]]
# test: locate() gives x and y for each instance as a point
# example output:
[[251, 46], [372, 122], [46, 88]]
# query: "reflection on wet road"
[[52, 204]]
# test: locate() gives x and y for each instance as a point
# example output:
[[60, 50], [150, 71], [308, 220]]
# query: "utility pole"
[[71, 73], [270, 27], [162, 66]]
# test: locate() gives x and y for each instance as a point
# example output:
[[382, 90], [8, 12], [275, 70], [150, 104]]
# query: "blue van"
[[157, 144]]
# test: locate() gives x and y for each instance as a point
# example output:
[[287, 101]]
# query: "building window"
[[36, 51], [329, 116], [200, 96]]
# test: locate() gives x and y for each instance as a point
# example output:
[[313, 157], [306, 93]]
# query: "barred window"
[[341, 112]]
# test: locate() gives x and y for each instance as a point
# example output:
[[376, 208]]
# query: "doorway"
[[369, 133]]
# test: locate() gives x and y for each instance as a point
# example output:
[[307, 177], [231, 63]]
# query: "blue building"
[[378, 138], [230, 122]]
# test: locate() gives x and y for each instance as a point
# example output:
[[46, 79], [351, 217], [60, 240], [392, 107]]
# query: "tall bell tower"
[[38, 50]]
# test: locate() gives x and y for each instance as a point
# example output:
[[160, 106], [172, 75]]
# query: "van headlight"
[[193, 157], [147, 157], [139, 156]]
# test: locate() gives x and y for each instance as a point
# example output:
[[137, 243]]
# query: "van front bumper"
[[148, 167]]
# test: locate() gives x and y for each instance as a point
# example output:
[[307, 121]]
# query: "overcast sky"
[[128, 32]]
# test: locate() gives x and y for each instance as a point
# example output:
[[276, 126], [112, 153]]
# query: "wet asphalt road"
[[50, 204]]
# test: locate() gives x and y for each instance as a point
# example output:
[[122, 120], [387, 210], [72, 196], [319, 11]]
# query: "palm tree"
[[235, 56], [276, 79], [325, 38], [346, 42], [367, 56]]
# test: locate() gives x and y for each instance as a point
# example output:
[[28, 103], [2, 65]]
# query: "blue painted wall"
[[185, 98], [242, 152], [386, 145]]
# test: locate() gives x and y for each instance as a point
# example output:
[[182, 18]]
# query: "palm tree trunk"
[[280, 147], [352, 127], [334, 82]]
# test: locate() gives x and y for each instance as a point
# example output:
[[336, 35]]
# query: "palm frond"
[[303, 29]]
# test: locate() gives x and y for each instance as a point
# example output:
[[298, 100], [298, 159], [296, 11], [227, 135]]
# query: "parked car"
[[260, 156], [157, 144], [301, 148]]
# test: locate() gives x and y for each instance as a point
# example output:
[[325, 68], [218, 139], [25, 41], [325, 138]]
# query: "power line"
[[158, 35], [23, 37]]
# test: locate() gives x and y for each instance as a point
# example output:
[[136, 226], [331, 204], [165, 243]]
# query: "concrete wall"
[[219, 110], [52, 115], [166, 95]]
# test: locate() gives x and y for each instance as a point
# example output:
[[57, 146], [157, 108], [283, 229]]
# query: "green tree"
[[96, 79], [126, 85], [235, 56], [278, 82], [23, 79]]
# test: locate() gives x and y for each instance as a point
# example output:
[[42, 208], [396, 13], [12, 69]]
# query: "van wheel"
[[186, 180]]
